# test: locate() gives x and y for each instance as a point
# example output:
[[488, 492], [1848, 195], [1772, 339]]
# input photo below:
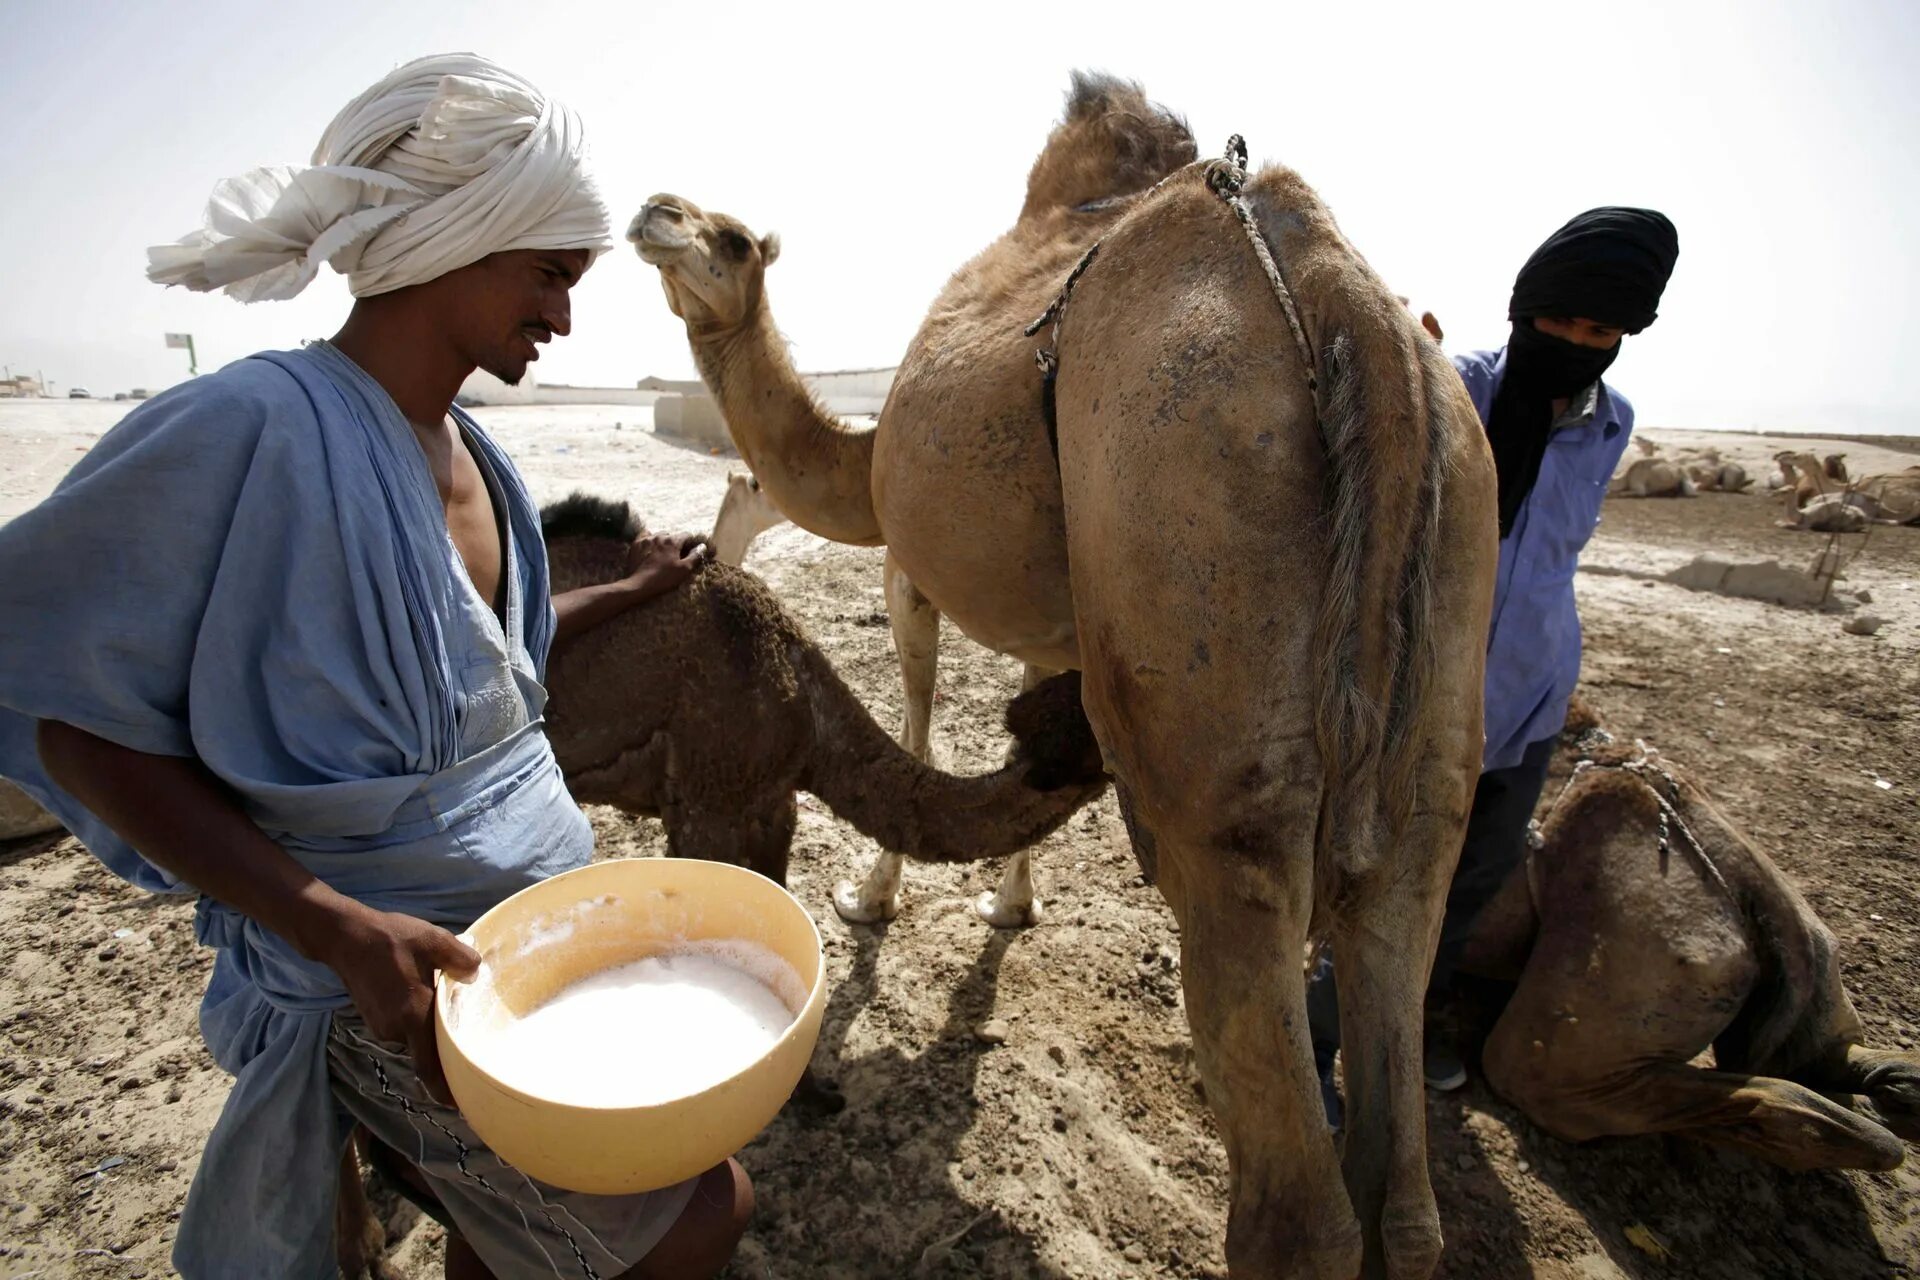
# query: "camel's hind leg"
[[754, 831], [916, 641], [1383, 947], [1243, 925], [1015, 905], [1596, 1039], [1887, 1081]]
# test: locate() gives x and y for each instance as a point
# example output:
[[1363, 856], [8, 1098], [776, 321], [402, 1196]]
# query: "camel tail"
[[1385, 440], [912, 808]]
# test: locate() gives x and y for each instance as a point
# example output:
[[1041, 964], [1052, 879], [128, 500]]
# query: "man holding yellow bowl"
[[278, 641]]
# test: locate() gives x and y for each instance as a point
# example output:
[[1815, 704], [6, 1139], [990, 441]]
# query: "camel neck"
[[815, 470]]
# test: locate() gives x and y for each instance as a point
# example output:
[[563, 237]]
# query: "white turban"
[[447, 160]]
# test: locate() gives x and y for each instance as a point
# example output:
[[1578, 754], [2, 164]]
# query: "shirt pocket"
[[490, 705]]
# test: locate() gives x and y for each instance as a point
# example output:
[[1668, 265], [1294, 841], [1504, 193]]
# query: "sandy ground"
[[1080, 1147]]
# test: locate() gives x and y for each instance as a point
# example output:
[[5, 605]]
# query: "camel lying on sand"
[[745, 513], [1645, 928], [1652, 478], [710, 707], [1260, 521], [1896, 495], [1816, 502], [1710, 473], [1704, 467]]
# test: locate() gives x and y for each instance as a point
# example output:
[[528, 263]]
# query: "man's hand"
[[659, 562], [386, 962], [656, 564]]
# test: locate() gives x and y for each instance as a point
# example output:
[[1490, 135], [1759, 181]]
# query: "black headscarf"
[[1608, 265]]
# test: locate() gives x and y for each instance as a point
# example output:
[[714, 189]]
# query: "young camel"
[[1646, 928], [710, 708], [745, 513], [1270, 552]]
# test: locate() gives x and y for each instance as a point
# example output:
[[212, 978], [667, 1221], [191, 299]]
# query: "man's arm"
[[656, 564], [180, 817]]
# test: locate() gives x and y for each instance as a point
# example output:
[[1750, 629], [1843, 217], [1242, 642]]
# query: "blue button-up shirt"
[[1533, 651]]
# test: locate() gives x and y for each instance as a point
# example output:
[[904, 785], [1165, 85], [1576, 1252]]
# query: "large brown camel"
[[1646, 928], [1270, 549]]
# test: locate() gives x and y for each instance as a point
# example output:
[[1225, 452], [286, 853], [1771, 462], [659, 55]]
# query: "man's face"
[[507, 304], [1580, 331]]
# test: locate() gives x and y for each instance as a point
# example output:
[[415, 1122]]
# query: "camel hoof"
[[851, 906], [1005, 915]]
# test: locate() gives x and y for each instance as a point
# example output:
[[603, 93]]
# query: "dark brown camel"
[[1634, 951]]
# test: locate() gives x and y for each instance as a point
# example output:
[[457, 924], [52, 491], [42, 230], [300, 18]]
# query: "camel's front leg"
[[1015, 905], [916, 641], [1243, 916], [1386, 940]]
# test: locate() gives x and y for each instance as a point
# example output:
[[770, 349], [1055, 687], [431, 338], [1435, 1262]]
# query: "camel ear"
[[769, 248], [1431, 324]]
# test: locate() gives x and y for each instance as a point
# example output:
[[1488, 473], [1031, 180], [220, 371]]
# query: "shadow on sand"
[[878, 1189]]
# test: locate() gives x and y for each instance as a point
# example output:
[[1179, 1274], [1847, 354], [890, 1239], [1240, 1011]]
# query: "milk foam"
[[645, 1033]]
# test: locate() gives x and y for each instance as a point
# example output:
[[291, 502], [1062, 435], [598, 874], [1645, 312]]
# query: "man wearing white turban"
[[278, 640]]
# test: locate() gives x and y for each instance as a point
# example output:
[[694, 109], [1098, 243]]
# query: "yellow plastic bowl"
[[555, 933]]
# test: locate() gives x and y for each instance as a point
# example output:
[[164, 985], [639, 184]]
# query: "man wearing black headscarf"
[[1557, 433]]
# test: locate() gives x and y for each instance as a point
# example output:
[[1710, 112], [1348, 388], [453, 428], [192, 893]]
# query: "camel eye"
[[736, 245]]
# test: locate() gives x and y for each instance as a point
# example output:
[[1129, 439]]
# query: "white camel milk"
[[644, 1033]]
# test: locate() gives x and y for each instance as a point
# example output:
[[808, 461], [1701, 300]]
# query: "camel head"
[[712, 268], [1112, 142]]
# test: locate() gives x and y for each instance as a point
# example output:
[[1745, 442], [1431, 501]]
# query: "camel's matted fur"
[[1253, 604], [710, 707]]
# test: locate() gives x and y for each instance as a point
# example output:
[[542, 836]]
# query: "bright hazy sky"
[[888, 144]]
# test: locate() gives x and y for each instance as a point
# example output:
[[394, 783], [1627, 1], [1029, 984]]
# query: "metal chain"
[[1670, 819], [460, 1147]]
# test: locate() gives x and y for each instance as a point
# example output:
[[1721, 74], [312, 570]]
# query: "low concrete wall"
[[695, 419]]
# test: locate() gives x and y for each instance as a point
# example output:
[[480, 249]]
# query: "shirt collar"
[[1581, 408]]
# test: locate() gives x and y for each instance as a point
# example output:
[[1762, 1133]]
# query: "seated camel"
[[1643, 929], [1896, 495], [1804, 477], [1710, 472], [1817, 504], [1652, 478], [710, 708], [745, 513]]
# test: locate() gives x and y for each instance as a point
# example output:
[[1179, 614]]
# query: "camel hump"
[[1111, 142]]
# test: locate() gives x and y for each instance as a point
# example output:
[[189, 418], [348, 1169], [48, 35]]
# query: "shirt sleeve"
[[1476, 371], [102, 585]]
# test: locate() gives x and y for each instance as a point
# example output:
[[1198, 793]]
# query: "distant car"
[[138, 393], [79, 393]]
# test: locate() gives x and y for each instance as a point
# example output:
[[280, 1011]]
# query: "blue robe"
[[254, 569]]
